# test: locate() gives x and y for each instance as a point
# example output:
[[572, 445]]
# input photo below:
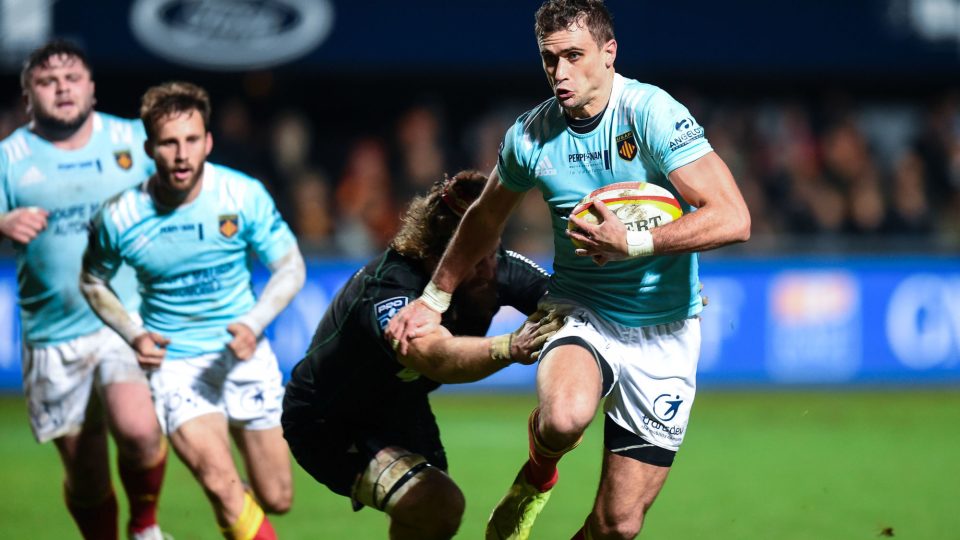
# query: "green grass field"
[[757, 465]]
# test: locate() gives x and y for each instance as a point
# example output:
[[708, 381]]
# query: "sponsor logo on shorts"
[[666, 406], [386, 309], [253, 399]]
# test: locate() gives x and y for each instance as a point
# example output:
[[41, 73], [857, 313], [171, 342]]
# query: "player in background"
[[79, 378], [634, 336], [357, 414], [186, 231]]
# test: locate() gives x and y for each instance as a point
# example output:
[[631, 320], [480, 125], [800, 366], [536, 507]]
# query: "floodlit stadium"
[[827, 384]]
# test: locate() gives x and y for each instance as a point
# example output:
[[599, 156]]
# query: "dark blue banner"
[[791, 37]]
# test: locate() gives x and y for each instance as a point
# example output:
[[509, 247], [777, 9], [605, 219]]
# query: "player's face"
[[578, 70], [60, 93], [180, 149]]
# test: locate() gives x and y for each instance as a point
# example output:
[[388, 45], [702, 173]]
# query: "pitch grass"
[[755, 465]]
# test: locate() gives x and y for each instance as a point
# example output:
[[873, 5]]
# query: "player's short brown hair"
[[431, 219], [556, 15], [41, 56], [173, 98]]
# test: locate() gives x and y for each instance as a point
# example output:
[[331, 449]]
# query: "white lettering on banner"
[[814, 327], [721, 318], [923, 321]]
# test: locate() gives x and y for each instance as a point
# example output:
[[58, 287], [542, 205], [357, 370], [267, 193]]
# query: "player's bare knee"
[[625, 526], [219, 482], [415, 494], [563, 423], [434, 507], [140, 443], [277, 499]]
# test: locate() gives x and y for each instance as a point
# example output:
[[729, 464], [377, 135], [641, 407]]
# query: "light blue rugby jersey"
[[191, 262], [643, 136], [70, 185]]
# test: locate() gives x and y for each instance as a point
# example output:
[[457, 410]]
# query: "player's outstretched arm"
[[448, 359], [478, 234], [23, 224], [287, 275]]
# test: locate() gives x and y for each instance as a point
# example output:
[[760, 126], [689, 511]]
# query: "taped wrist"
[[639, 243], [500, 348], [436, 299]]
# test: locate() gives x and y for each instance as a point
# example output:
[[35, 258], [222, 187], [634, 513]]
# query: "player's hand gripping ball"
[[639, 205]]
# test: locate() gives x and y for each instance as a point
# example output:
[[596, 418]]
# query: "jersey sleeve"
[[267, 233], [522, 283], [382, 306], [102, 257], [512, 165], [672, 135]]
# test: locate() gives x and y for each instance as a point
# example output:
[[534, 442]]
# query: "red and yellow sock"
[[96, 521], [541, 467], [143, 491], [252, 523]]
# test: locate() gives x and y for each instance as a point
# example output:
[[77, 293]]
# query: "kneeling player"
[[356, 414]]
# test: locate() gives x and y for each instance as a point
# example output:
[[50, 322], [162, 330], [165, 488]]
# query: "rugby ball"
[[639, 205]]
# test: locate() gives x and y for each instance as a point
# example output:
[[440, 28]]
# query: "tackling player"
[[80, 379], [634, 336], [357, 415], [186, 231]]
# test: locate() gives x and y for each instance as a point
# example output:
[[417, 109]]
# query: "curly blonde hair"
[[431, 219]]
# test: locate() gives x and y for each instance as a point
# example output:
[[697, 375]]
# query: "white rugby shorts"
[[58, 379], [651, 381], [249, 393]]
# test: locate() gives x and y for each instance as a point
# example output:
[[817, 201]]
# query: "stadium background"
[[837, 327]]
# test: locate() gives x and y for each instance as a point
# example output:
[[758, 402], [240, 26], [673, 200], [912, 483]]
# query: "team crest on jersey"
[[124, 159], [627, 146], [229, 225], [386, 309]]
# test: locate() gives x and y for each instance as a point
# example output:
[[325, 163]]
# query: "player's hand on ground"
[[23, 224], [605, 241], [151, 348], [244, 341], [527, 341], [416, 319]]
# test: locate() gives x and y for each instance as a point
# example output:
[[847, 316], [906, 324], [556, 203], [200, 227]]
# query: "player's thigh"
[[203, 445], [570, 378], [132, 418], [628, 488], [267, 459], [430, 503]]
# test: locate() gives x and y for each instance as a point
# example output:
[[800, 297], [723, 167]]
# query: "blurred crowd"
[[833, 172]]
